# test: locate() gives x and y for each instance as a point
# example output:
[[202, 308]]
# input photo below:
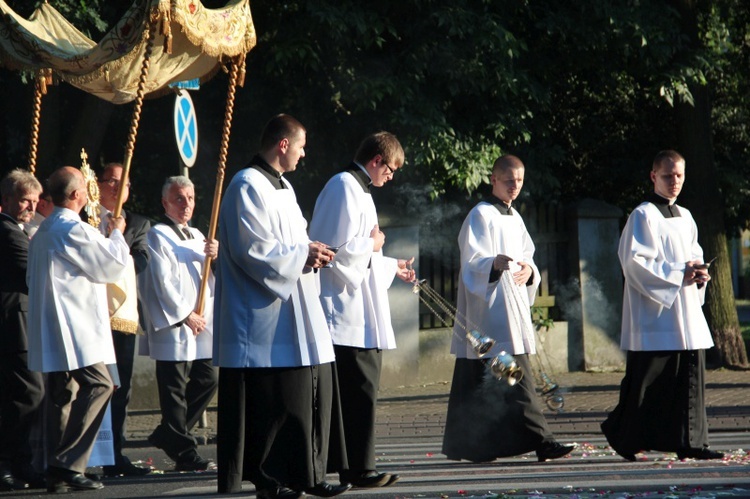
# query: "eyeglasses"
[[391, 171], [114, 182]]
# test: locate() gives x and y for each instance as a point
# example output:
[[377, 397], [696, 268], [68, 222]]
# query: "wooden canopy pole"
[[135, 119], [237, 67], [43, 78]]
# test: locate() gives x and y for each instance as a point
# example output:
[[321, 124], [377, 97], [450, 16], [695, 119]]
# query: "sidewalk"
[[412, 413]]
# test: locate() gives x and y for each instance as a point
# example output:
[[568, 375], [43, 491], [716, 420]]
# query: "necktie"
[[187, 233]]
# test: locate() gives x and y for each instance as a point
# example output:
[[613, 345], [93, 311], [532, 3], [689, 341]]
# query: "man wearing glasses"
[[354, 295], [123, 333]]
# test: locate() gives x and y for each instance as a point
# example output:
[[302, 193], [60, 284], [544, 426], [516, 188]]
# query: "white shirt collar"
[[364, 170]]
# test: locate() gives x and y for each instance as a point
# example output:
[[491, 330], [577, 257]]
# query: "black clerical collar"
[[504, 209], [268, 171], [181, 231], [362, 177], [663, 205]]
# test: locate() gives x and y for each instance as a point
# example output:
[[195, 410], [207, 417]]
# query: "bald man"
[[68, 326], [488, 418]]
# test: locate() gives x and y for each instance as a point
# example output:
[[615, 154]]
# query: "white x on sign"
[[186, 128]]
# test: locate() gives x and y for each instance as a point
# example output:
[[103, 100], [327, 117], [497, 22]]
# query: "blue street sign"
[[194, 84], [186, 128]]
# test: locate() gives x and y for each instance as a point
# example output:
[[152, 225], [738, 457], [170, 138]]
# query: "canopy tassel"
[[241, 78]]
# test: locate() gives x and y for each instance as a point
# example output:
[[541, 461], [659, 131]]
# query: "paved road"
[[410, 422]]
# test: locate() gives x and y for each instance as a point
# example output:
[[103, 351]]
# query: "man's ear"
[[374, 161], [284, 144]]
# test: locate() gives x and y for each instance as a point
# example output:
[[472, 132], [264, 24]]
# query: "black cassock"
[[487, 418], [661, 404], [275, 425]]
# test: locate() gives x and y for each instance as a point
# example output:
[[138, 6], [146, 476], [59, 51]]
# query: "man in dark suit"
[[22, 390], [135, 235]]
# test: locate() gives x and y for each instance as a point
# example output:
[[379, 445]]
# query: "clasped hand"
[[196, 323], [694, 274], [318, 255], [502, 263]]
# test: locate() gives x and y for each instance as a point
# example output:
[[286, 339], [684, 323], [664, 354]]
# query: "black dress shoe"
[[192, 462], [367, 480], [61, 480], [626, 456], [157, 440], [325, 489], [278, 493], [32, 477], [704, 453], [392, 478], [553, 450], [125, 469], [10, 482]]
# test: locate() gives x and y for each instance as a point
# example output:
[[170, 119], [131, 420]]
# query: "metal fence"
[[546, 224]]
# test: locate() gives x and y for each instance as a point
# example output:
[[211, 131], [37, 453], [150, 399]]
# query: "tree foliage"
[[585, 92]]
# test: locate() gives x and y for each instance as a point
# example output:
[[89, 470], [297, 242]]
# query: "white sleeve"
[[255, 246], [336, 222], [643, 262]]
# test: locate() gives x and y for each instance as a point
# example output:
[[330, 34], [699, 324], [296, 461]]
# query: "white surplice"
[[169, 292], [659, 312], [70, 263], [354, 291], [268, 313], [485, 305]]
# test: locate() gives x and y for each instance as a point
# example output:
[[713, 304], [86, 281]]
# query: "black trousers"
[[125, 355], [21, 396], [185, 390], [274, 426], [487, 418], [359, 380]]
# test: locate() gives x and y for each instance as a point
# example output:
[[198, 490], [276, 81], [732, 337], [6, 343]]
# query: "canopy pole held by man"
[[237, 67]]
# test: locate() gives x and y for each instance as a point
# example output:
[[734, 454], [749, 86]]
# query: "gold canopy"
[[189, 43]]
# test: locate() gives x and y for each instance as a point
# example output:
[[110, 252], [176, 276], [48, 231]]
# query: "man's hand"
[[501, 263], [116, 223], [405, 272], [522, 276], [211, 249], [694, 274], [318, 255], [196, 323], [378, 237]]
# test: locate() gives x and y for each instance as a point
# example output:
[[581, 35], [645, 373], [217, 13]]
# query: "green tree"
[[586, 92], [701, 20]]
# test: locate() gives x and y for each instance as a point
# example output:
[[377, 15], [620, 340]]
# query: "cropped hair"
[[281, 126], [506, 162], [104, 169], [180, 180], [62, 183], [384, 143], [19, 182], [668, 155]]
